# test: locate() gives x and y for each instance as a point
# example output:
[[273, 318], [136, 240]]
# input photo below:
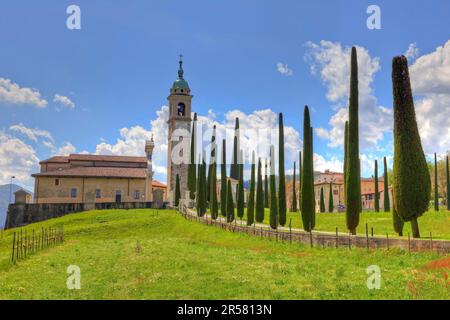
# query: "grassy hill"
[[145, 254]]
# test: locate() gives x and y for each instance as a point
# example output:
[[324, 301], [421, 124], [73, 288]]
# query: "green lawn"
[[437, 223], [138, 254]]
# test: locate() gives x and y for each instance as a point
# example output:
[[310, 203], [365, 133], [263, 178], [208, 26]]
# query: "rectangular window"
[[98, 193], [56, 182], [73, 192], [136, 195]]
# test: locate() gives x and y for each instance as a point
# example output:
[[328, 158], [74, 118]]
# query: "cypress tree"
[[281, 174], [230, 203], [436, 191], [251, 196], [266, 187], [259, 214], [322, 201], [240, 194], [213, 193], [294, 194], [212, 161], [274, 217], [177, 191], [204, 180], [397, 222], [377, 195], [412, 184], [386, 204], [307, 204], [234, 167], [300, 181], [223, 180], [192, 174], [200, 191], [345, 156], [353, 179], [330, 200], [447, 170], [313, 217]]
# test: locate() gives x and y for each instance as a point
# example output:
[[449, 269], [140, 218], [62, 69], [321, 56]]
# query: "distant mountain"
[[4, 199]]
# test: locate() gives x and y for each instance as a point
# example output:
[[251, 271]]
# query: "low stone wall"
[[22, 214], [319, 239]]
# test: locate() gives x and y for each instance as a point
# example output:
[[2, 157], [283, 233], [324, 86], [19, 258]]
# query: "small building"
[[22, 197], [337, 191]]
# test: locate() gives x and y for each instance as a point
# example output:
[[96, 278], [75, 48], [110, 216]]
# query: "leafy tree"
[[307, 204], [353, 175], [230, 203], [259, 214], [294, 194], [214, 208], [330, 200], [274, 218], [192, 174], [223, 180], [412, 185], [251, 196], [234, 167], [281, 174], [377, 194], [386, 204], [240, 195], [266, 187], [177, 191], [322, 201], [436, 191]]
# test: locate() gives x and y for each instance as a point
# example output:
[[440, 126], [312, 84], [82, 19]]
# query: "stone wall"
[[22, 214]]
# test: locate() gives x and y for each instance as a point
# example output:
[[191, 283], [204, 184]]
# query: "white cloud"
[[65, 101], [11, 92], [331, 62], [66, 149], [430, 80], [412, 52], [321, 164], [284, 69], [16, 159], [32, 134]]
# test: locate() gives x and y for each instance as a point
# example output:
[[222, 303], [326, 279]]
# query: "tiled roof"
[[96, 172], [57, 159], [94, 157], [156, 183]]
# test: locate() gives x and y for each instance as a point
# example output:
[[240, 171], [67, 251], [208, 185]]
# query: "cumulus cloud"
[[16, 159], [32, 134], [284, 69], [430, 80], [331, 62], [63, 100], [412, 52], [12, 93], [66, 149]]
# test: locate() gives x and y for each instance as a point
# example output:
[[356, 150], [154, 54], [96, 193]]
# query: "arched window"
[[181, 109]]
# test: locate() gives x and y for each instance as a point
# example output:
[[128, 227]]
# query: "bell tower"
[[179, 124]]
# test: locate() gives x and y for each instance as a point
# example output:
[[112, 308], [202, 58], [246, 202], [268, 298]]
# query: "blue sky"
[[117, 70]]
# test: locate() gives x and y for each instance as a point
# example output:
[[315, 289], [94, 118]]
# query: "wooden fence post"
[[387, 240], [337, 238], [367, 236], [13, 247]]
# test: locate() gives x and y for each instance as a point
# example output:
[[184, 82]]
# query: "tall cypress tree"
[[213, 193], [353, 179], [266, 186], [294, 193], [251, 196], [386, 204], [204, 180], [322, 201], [330, 200], [345, 156], [377, 195], [300, 181], [447, 170], [240, 194], [259, 214], [397, 222], [281, 174], [230, 203], [177, 191], [192, 174], [200, 191], [223, 180], [412, 184], [307, 204], [274, 216], [313, 217], [212, 161], [234, 167], [436, 191]]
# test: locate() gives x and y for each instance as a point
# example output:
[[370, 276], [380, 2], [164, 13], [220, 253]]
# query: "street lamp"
[[10, 188]]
